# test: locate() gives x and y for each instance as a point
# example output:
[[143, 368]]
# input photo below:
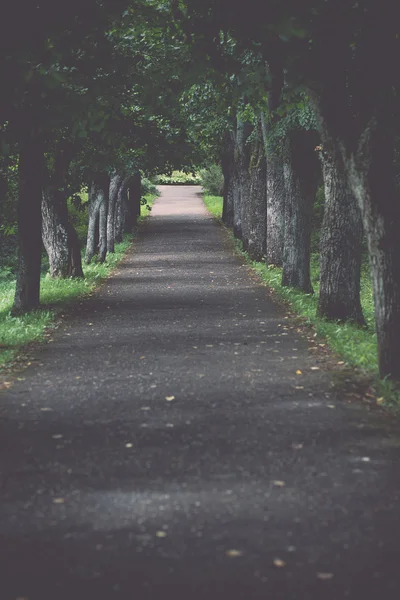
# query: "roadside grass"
[[55, 294], [214, 205], [356, 346]]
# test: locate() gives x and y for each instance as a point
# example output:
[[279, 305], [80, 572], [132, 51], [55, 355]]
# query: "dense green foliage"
[[212, 180], [178, 178]]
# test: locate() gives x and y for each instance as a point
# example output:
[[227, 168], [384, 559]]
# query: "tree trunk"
[[301, 178], [115, 184], [122, 208], [59, 236], [30, 176], [134, 201], [371, 176], [257, 210], [367, 148], [103, 226], [275, 200], [93, 220], [243, 156], [55, 230], [97, 208], [75, 256], [228, 168], [236, 196], [341, 242]]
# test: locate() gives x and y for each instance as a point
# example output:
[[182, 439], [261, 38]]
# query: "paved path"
[[163, 446]]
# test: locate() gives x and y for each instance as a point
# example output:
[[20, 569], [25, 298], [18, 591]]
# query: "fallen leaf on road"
[[325, 576], [278, 483], [4, 385], [128, 445], [58, 501], [161, 534], [169, 398], [298, 372], [315, 369], [279, 563], [380, 400], [233, 553]]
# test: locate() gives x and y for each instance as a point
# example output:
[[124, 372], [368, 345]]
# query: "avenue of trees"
[[285, 96]]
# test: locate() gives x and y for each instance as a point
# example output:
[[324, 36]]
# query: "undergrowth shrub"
[[178, 178], [212, 180]]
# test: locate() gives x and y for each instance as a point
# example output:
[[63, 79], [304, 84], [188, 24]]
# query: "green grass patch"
[[214, 205], [55, 294], [355, 345]]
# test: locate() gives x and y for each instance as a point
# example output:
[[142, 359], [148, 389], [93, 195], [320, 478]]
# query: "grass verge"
[[355, 345], [55, 294]]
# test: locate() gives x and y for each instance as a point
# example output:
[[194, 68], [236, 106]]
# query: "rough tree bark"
[[236, 193], [228, 171], [115, 183], [59, 236], [121, 209], [355, 86], [97, 226], [134, 201], [257, 208], [371, 175], [30, 177], [275, 200], [301, 179], [242, 195], [341, 242]]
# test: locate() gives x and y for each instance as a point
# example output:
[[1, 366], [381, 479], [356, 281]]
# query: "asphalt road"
[[164, 445]]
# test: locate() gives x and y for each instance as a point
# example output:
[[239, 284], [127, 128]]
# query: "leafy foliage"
[[212, 180], [178, 178]]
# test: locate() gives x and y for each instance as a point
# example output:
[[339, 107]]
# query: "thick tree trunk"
[[30, 176], [368, 156], [93, 220], [97, 232], [59, 236], [228, 168], [275, 209], [121, 211], [275, 200], [75, 256], [243, 157], [55, 230], [371, 176], [236, 199], [301, 177], [103, 227], [341, 242], [257, 210], [115, 184], [133, 201]]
